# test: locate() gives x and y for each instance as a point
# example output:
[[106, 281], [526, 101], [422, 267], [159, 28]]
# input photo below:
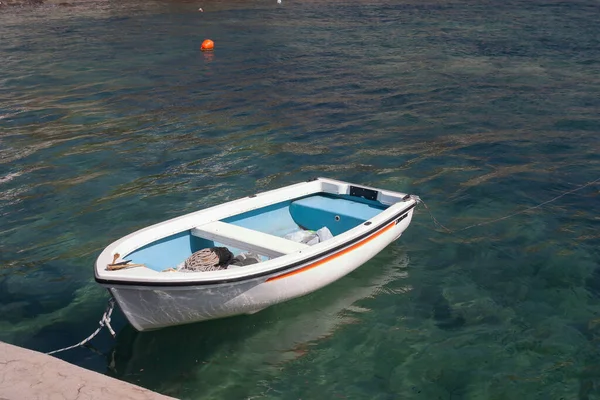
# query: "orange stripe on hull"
[[333, 256]]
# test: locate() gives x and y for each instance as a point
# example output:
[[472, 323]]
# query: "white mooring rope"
[[104, 321]]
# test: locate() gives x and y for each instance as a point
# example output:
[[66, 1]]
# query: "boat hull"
[[150, 307]]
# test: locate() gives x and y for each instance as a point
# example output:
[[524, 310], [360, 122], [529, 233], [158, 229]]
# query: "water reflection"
[[208, 56], [201, 354]]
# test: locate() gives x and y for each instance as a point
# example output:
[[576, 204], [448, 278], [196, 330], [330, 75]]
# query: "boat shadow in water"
[[209, 354]]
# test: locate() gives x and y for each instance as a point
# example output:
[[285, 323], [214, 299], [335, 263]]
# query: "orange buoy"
[[207, 45]]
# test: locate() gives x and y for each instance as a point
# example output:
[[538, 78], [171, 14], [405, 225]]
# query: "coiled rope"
[[447, 230], [104, 322]]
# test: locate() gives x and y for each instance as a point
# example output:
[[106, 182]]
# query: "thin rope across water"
[[447, 230]]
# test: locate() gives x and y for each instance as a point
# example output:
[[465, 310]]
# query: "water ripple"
[[112, 119]]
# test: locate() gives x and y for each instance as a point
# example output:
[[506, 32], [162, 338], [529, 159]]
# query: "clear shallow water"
[[111, 120]]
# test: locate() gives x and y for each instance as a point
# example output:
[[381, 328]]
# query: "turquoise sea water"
[[111, 119]]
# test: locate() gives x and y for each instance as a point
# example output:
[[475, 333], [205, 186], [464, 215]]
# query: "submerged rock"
[[432, 302]]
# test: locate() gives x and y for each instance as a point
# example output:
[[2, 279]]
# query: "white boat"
[[154, 292]]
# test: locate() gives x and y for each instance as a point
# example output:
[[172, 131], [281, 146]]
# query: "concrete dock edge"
[[26, 374]]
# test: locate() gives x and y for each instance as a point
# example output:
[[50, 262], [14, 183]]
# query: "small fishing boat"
[[260, 250]]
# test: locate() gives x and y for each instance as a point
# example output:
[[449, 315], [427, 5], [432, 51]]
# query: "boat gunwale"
[[286, 268]]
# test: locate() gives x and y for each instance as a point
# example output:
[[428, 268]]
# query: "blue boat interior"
[[338, 213]]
